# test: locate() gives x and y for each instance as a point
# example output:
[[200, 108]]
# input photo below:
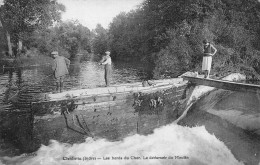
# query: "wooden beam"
[[222, 84]]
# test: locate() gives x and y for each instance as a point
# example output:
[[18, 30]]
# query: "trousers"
[[108, 72]]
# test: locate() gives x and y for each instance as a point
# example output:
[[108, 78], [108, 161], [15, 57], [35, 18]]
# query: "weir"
[[106, 112]]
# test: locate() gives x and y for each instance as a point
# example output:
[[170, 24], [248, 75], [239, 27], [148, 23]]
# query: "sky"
[[91, 12]]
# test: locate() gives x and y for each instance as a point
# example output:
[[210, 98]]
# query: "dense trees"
[[67, 37], [100, 40], [170, 33], [37, 23], [23, 17]]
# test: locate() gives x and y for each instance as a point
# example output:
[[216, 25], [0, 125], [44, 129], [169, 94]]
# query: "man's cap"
[[107, 52], [54, 53]]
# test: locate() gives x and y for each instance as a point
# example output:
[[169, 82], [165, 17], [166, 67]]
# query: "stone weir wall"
[[134, 113]]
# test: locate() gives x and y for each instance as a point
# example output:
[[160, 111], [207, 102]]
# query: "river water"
[[84, 73]]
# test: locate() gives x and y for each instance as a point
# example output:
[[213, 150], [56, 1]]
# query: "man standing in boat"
[[207, 57], [60, 67], [108, 69]]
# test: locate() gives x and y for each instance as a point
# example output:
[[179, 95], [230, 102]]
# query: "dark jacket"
[[60, 66]]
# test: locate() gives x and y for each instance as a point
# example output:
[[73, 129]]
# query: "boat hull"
[[112, 116]]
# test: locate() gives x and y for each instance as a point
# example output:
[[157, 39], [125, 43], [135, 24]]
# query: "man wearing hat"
[[60, 67], [209, 51], [108, 69]]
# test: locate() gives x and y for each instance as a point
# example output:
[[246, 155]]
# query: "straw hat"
[[54, 53]]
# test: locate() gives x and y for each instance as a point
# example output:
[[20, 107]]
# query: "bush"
[[175, 58]]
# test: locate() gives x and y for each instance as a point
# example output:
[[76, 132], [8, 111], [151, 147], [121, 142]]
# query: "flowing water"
[[168, 145]]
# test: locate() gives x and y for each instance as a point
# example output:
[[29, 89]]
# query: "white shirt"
[[107, 60]]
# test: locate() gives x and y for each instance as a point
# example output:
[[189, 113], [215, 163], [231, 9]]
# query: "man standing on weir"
[[207, 57], [60, 67], [108, 69]]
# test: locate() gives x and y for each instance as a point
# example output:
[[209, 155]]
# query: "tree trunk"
[[8, 38], [10, 51]]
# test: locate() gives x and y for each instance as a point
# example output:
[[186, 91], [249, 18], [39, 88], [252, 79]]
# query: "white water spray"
[[170, 144]]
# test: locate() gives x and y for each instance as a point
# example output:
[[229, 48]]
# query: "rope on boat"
[[77, 125]]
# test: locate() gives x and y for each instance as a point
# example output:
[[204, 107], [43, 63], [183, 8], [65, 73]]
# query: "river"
[[82, 74]]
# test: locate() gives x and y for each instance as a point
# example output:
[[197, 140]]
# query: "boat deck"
[[114, 89]]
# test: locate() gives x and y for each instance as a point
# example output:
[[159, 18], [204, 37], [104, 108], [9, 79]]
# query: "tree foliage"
[[23, 17], [28, 15], [169, 35], [68, 37], [100, 40]]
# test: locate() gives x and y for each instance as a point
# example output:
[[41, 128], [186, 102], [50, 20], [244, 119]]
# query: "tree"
[[25, 16], [169, 35], [100, 41], [68, 37], [7, 33]]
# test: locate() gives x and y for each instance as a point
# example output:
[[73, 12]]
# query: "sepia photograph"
[[129, 82]]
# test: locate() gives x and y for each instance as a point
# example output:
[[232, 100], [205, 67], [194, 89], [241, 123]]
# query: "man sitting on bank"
[[60, 67]]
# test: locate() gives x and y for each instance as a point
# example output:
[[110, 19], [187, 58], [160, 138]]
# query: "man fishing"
[[207, 57], [108, 69], [60, 67]]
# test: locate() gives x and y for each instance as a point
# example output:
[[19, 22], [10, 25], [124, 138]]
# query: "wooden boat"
[[101, 98], [110, 112]]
